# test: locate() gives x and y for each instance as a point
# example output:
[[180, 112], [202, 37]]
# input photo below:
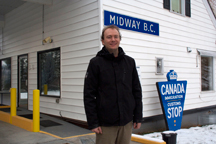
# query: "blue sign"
[[172, 97], [130, 23]]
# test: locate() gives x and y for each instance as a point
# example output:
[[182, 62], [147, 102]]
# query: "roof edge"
[[210, 12]]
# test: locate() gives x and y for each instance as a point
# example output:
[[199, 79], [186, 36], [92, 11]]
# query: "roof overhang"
[[44, 2], [7, 6], [1, 21]]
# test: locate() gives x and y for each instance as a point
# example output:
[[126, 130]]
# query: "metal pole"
[[45, 89], [13, 103], [36, 110]]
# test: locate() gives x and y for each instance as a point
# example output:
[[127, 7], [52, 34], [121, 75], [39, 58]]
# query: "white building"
[[186, 42]]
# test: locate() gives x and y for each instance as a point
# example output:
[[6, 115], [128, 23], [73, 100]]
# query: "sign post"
[[172, 97]]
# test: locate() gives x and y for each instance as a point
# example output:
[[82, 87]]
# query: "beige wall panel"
[[80, 46], [74, 81], [78, 74], [72, 95], [72, 88], [152, 112], [74, 68]]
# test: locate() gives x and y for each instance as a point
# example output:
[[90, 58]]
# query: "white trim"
[[100, 8], [213, 73], [183, 7], [206, 53], [204, 92], [211, 15]]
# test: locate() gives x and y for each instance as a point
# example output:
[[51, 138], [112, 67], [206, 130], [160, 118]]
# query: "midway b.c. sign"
[[172, 97], [131, 23]]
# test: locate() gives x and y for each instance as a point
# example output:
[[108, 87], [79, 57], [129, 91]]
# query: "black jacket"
[[112, 91]]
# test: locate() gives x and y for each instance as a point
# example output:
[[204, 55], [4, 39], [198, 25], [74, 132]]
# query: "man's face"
[[111, 39]]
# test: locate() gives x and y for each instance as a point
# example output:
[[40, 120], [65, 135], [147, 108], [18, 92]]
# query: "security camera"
[[47, 40], [189, 49]]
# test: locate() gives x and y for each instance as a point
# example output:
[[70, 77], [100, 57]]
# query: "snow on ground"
[[194, 135]]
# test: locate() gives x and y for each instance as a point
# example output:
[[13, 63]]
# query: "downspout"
[[42, 24], [197, 56]]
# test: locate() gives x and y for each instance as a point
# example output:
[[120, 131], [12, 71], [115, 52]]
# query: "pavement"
[[52, 131]]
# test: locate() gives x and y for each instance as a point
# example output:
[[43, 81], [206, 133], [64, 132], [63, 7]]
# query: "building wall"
[[74, 27], [176, 34]]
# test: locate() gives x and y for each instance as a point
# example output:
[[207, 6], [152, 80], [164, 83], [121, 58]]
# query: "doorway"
[[23, 81]]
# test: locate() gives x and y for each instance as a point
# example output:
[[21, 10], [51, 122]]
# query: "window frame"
[[185, 7], [1, 72], [213, 75], [182, 8], [39, 74]]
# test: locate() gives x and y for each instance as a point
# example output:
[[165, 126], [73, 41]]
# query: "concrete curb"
[[17, 121], [27, 124], [146, 140], [23, 123], [5, 117]]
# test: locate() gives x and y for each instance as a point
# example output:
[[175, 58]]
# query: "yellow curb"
[[143, 140], [50, 134], [65, 137], [5, 117], [79, 135], [23, 123], [5, 106], [28, 124]]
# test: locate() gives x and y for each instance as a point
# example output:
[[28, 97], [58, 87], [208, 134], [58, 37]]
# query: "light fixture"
[[47, 40], [189, 49]]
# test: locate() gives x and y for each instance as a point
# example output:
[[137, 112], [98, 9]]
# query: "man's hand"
[[97, 130], [137, 125]]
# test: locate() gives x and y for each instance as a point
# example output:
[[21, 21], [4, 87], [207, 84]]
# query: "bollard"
[[45, 89], [36, 110], [13, 103]]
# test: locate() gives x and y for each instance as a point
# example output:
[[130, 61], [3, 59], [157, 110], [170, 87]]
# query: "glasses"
[[110, 37]]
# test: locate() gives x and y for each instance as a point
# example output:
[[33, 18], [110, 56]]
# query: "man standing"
[[112, 92]]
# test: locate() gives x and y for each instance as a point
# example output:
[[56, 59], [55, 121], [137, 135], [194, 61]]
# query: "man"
[[112, 92]]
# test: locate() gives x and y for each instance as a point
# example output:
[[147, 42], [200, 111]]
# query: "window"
[[5, 74], [178, 6], [49, 72], [207, 73]]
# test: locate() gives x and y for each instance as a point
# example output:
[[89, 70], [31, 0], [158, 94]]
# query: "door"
[[23, 81]]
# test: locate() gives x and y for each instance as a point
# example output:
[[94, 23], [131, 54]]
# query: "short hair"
[[112, 27]]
